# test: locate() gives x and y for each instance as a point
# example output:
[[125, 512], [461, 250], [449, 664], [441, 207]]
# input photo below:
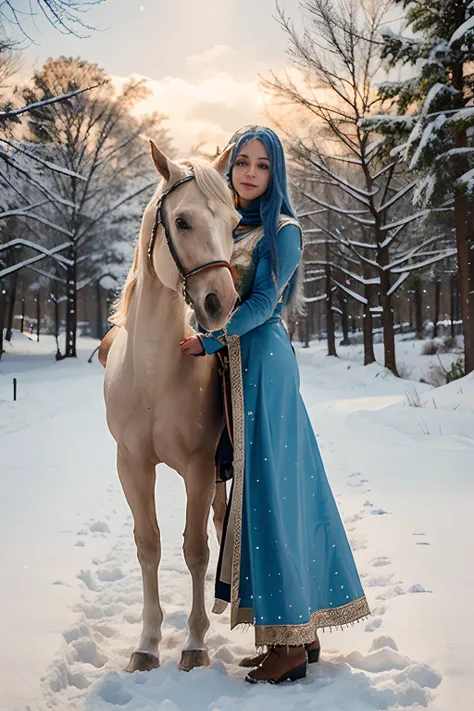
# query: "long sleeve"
[[264, 296]]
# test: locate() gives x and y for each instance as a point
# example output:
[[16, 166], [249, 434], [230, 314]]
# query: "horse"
[[163, 406]]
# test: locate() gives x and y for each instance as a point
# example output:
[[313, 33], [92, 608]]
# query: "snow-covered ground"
[[70, 590]]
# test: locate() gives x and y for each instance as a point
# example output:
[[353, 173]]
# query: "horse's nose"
[[212, 305]]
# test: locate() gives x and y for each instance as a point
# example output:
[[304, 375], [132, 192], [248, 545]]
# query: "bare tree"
[[67, 16], [337, 59], [102, 172]]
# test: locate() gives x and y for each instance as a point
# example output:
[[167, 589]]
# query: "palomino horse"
[[163, 406]]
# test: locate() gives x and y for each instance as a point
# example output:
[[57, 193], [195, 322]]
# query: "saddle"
[[224, 457]]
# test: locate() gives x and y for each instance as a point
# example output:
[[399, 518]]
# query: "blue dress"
[[285, 562]]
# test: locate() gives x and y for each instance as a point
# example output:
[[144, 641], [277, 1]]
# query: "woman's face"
[[251, 171]]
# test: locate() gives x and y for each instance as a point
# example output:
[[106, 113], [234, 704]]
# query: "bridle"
[[161, 220]]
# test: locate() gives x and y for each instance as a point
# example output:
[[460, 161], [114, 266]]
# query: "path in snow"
[[398, 659]]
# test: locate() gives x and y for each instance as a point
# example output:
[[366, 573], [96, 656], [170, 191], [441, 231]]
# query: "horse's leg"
[[200, 489], [138, 483], [219, 506]]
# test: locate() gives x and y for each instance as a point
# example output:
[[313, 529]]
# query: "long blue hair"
[[275, 201]]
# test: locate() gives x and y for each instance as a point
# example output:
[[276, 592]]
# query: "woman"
[[285, 563]]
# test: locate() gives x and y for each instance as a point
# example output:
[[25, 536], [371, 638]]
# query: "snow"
[[466, 26], [430, 133], [425, 262], [399, 282], [70, 604], [52, 166], [61, 97], [352, 293], [437, 88], [53, 252]]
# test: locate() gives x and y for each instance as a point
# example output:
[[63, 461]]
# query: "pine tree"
[[434, 121]]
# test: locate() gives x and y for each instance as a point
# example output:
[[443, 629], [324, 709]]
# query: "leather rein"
[[160, 219]]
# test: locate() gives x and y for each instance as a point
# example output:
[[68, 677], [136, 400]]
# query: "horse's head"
[[199, 217]]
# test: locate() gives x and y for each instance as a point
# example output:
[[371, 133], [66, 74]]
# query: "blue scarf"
[[251, 214]]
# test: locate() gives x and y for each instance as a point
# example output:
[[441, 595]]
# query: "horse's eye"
[[181, 223]]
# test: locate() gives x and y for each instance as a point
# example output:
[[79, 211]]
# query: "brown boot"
[[313, 651], [255, 661], [281, 663]]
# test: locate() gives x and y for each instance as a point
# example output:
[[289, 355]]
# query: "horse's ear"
[[221, 163], [164, 165]]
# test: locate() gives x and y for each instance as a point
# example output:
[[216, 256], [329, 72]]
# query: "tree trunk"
[[353, 324], [71, 306], [464, 240], [38, 315], [436, 306], [367, 325], [22, 324], [344, 321], [329, 311], [100, 314], [2, 316], [11, 306], [454, 303], [330, 315], [418, 308], [306, 331], [387, 313]]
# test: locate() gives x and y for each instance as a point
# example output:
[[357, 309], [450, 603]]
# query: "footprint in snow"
[[418, 589], [354, 474], [379, 581], [357, 544], [99, 527], [417, 532], [372, 625], [109, 575], [392, 592], [379, 512], [380, 561], [88, 579]]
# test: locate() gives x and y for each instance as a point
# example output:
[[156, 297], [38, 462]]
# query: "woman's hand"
[[192, 346]]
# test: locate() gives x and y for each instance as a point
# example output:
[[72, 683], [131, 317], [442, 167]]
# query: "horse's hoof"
[[142, 661], [191, 658]]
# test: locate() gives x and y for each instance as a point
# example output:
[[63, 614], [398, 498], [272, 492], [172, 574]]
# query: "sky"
[[203, 58]]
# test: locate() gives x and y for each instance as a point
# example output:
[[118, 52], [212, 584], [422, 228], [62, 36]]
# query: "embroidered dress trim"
[[305, 633], [237, 390]]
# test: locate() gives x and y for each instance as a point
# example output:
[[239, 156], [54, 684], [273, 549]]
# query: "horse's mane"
[[214, 188]]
